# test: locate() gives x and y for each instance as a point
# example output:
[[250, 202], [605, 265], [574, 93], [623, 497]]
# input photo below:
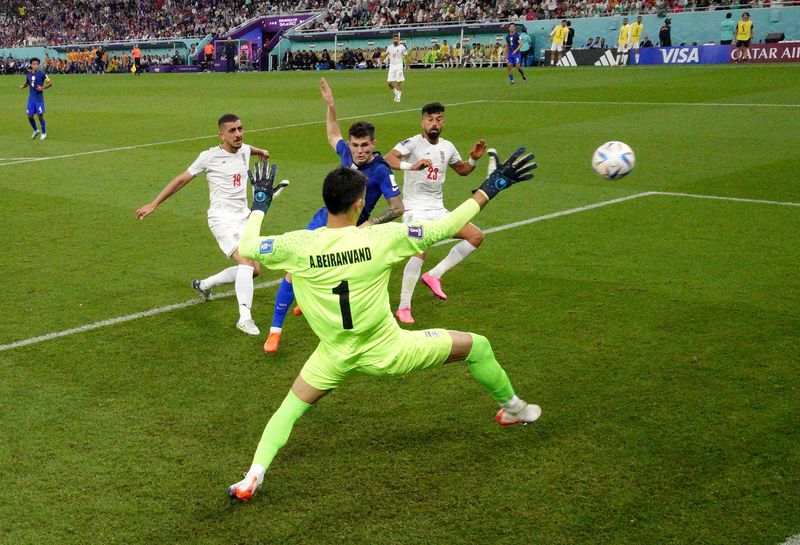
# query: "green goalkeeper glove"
[[517, 168]]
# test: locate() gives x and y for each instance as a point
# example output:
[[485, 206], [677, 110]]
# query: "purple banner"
[[162, 68], [720, 54], [276, 23]]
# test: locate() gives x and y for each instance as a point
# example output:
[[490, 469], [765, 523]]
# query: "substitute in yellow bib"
[[636, 37], [744, 34], [623, 43], [558, 35]]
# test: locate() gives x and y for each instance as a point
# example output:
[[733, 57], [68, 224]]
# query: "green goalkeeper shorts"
[[411, 351]]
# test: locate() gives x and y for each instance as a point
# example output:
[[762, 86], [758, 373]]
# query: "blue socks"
[[32, 122], [41, 122], [283, 300]]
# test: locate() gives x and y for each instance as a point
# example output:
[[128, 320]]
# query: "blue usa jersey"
[[35, 98], [513, 42], [380, 182], [35, 79]]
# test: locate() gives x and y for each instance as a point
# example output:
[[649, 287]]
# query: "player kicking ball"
[[357, 152], [425, 158], [225, 167], [341, 275]]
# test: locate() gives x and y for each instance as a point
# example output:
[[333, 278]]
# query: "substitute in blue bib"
[[513, 58], [357, 153], [37, 81]]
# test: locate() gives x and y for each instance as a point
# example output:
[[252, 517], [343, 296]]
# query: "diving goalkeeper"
[[341, 274]]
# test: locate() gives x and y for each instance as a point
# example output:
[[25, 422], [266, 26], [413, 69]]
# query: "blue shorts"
[[514, 59], [35, 106], [320, 219]]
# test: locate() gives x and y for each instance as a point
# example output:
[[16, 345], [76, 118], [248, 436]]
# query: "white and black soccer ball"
[[613, 160]]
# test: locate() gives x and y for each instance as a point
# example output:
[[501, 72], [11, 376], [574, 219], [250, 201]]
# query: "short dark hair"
[[433, 108], [35, 59], [729, 15], [395, 35], [361, 129], [745, 13], [227, 118], [342, 187]]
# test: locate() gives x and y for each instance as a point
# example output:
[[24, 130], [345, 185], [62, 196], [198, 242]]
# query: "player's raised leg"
[[472, 238], [411, 274], [477, 352]]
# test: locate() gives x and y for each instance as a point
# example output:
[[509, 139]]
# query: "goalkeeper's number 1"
[[343, 291]]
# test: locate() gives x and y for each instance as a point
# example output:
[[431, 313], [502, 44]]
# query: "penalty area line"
[[270, 283]]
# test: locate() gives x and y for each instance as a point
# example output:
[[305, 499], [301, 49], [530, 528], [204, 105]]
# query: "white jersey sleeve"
[[199, 164], [455, 157]]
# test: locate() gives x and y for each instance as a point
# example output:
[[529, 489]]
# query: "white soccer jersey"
[[227, 181], [396, 54], [422, 189]]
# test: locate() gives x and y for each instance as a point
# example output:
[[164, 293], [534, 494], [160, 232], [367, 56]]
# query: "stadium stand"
[[59, 22]]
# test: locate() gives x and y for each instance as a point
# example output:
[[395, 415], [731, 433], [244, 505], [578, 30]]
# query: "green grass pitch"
[[661, 334]]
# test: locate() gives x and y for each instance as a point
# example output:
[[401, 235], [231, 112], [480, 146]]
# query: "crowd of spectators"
[[33, 22], [345, 14], [55, 22]]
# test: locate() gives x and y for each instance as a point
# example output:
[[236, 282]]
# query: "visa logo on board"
[[680, 55]]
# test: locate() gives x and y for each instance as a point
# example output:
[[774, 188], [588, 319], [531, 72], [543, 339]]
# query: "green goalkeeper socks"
[[277, 431], [484, 367]]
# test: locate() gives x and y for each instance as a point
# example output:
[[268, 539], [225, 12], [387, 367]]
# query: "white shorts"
[[227, 232], [395, 74], [634, 45], [557, 47], [410, 216], [623, 48]]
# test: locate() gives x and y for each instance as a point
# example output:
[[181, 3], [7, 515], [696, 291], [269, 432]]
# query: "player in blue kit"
[[358, 152], [514, 56], [38, 82]]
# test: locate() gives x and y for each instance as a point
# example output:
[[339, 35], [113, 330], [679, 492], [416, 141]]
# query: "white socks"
[[244, 290], [457, 254], [259, 471], [514, 405], [410, 278], [223, 277]]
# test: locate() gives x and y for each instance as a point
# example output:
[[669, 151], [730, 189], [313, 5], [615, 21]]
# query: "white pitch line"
[[793, 540], [718, 198], [634, 103], [557, 214], [176, 306], [192, 302], [123, 319], [193, 138]]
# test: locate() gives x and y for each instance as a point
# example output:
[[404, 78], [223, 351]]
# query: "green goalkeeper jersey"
[[340, 276]]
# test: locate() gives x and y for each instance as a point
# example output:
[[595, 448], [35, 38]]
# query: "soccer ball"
[[613, 160]]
